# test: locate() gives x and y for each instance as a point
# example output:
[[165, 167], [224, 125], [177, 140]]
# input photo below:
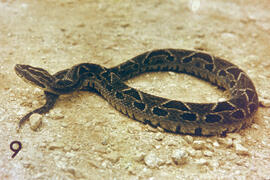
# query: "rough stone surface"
[[56, 113], [35, 121], [152, 160], [83, 137], [179, 156], [208, 153], [56, 145], [241, 149], [198, 144]]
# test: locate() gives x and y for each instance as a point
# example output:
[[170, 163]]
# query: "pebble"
[[37, 91], [43, 145], [152, 160], [189, 139], [172, 142], [81, 25], [216, 144], [146, 172], [56, 114], [157, 146], [100, 149], [208, 146], [35, 121], [179, 156], [64, 124], [56, 145], [75, 147], [70, 155], [71, 170], [221, 99], [202, 162], [67, 148], [106, 164], [225, 141], [139, 156], [197, 144], [11, 95], [159, 136], [215, 164], [241, 150], [255, 126], [172, 73], [192, 152], [131, 170], [113, 157], [208, 153], [35, 103], [228, 36], [254, 34]]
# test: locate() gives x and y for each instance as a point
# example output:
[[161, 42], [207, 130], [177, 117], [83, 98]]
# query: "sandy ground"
[[83, 137]]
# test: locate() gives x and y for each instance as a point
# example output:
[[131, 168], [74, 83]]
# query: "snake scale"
[[171, 115]]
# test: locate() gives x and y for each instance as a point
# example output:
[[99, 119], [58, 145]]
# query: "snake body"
[[174, 116]]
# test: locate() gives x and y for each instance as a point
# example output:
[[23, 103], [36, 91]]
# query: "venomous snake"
[[171, 115]]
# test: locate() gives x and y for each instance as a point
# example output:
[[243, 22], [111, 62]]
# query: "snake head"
[[34, 75]]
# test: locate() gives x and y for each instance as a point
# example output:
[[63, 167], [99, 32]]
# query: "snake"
[[201, 119]]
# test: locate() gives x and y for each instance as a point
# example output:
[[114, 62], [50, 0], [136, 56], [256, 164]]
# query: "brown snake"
[[174, 116]]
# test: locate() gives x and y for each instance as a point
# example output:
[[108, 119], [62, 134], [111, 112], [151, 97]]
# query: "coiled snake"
[[175, 116]]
